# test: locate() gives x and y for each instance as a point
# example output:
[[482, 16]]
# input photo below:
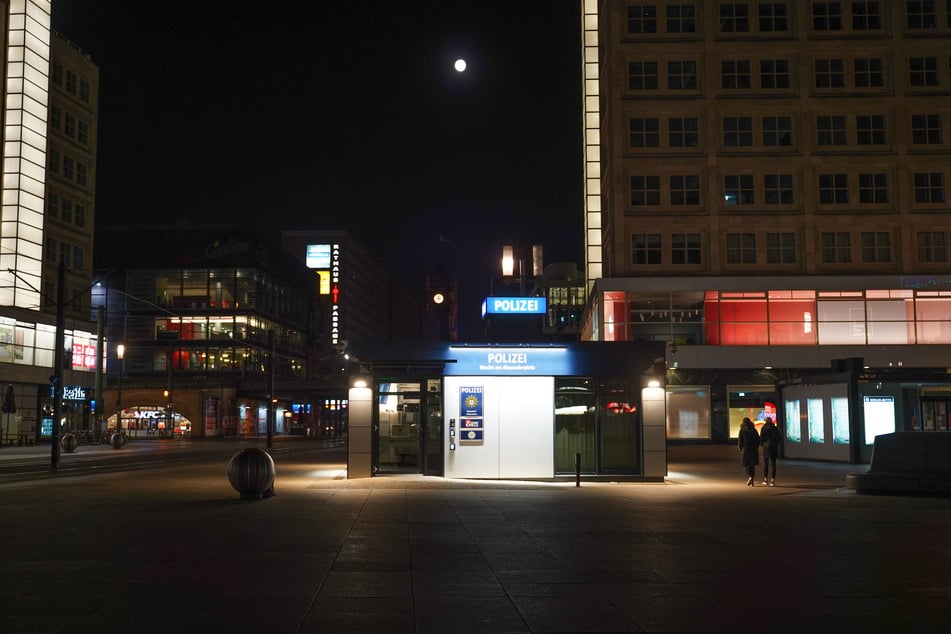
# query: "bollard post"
[[578, 469]]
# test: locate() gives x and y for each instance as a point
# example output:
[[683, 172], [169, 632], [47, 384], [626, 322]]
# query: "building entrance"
[[409, 432]]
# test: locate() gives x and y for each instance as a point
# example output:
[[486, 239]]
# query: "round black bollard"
[[68, 442], [251, 473], [118, 440]]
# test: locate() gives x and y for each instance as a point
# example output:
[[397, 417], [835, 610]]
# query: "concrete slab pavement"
[[173, 549]]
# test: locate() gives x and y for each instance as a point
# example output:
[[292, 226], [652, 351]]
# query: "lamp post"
[[120, 355]]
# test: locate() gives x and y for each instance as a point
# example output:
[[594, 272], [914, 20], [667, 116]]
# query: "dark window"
[[778, 189], [932, 246], [923, 71], [735, 74], [929, 187], [836, 247], [777, 131], [642, 18], [876, 246], [830, 73], [642, 75], [681, 18], [873, 188], [734, 17], [774, 73], [826, 16], [682, 75], [645, 190], [869, 73], [830, 130], [644, 133], [781, 248], [926, 129], [921, 14], [684, 190], [741, 248], [773, 17], [870, 129], [685, 248], [833, 189], [737, 131], [683, 132], [646, 248], [866, 16]]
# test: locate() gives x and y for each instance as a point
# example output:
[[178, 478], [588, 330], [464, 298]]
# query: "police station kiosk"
[[496, 411]]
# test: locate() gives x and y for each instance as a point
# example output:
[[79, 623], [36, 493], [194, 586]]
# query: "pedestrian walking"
[[748, 444], [771, 438]]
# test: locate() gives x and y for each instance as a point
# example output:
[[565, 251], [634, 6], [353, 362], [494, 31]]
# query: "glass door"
[[433, 442], [399, 429]]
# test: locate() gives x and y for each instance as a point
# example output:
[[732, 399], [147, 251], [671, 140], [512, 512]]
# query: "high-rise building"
[[45, 158], [767, 191], [71, 175]]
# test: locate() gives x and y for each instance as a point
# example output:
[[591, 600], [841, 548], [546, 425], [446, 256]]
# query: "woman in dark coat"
[[748, 443], [771, 438]]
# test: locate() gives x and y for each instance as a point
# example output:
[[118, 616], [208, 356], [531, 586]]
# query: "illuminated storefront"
[[729, 347], [531, 411]]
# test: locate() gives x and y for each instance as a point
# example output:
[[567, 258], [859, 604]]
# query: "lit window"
[[738, 189]]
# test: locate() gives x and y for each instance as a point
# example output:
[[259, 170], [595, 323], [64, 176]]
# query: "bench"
[[907, 463]]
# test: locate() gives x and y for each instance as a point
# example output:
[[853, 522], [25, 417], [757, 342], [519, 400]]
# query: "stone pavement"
[[173, 549]]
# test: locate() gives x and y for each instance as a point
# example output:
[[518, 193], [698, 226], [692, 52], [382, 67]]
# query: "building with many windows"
[[766, 190], [50, 91]]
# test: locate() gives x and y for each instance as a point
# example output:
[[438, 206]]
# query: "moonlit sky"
[[346, 116]]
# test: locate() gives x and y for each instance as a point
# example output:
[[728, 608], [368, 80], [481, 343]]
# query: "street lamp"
[[120, 355]]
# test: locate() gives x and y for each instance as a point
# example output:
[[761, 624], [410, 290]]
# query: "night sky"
[[349, 116]]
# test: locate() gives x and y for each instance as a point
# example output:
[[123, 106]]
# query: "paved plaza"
[[173, 549]]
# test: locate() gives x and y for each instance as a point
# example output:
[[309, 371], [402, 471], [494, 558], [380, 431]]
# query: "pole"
[[100, 342], [270, 390], [58, 346]]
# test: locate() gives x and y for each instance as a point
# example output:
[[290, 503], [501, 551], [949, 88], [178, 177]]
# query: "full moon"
[[460, 65]]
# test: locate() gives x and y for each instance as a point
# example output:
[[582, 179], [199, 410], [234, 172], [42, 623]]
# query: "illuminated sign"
[[317, 256], [74, 393], [335, 291], [510, 361], [514, 306], [324, 282], [84, 356]]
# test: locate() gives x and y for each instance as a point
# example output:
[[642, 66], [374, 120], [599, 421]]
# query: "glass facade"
[[779, 317]]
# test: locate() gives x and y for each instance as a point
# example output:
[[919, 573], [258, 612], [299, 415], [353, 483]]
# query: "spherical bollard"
[[68, 442], [118, 440], [251, 473]]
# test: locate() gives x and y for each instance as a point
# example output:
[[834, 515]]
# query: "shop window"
[[575, 407], [688, 412]]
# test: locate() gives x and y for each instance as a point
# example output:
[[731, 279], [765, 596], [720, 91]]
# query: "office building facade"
[[766, 190], [50, 88]]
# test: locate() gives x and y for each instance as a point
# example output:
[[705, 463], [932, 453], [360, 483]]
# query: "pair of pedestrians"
[[749, 443]]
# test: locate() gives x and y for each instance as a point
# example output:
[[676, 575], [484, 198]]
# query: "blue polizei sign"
[[514, 306], [554, 361]]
